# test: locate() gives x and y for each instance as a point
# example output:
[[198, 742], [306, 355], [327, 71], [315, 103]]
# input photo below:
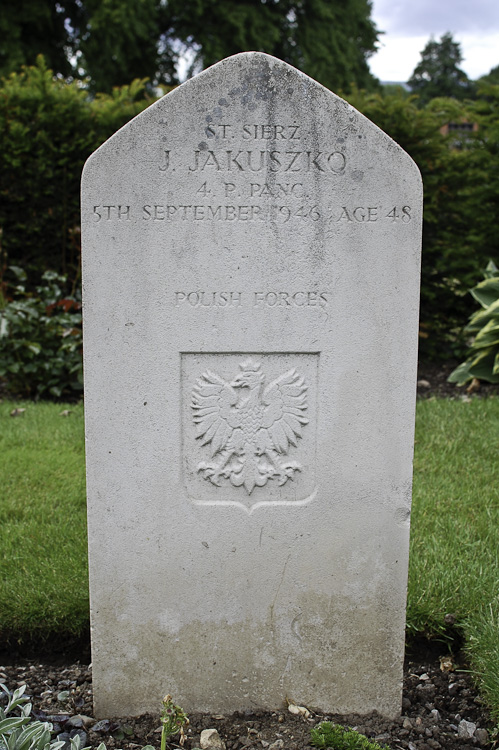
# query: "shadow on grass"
[[56, 649]]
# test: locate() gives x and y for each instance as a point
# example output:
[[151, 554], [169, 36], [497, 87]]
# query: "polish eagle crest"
[[249, 426]]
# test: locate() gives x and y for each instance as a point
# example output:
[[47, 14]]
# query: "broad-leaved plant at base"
[[482, 361], [19, 731]]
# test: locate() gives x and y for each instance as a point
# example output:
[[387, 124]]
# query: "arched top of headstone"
[[252, 89]]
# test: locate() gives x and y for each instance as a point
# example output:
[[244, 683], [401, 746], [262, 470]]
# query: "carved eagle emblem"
[[249, 426]]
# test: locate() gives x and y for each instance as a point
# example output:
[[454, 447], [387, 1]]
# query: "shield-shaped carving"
[[249, 423]]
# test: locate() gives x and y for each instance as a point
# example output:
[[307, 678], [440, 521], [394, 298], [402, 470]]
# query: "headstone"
[[251, 249]]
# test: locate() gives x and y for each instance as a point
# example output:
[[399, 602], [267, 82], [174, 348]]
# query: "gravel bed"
[[441, 709]]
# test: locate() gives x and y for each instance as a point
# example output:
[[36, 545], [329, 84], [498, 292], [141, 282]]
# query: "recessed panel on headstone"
[[251, 249]]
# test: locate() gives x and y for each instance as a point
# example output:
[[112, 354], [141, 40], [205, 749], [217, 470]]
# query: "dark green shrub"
[[48, 128], [41, 340], [455, 234]]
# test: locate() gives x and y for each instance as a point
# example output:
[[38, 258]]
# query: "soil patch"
[[432, 382], [441, 709]]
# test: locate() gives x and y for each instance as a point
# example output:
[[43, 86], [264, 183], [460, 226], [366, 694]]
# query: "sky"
[[408, 25]]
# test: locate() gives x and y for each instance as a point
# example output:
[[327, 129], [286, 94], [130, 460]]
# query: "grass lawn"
[[454, 566], [454, 563], [43, 557]]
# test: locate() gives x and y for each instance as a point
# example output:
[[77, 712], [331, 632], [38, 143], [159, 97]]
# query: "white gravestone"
[[251, 250]]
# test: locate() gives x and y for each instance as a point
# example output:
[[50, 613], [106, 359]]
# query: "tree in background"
[[491, 77], [112, 42], [438, 73], [327, 39], [118, 41], [36, 28]]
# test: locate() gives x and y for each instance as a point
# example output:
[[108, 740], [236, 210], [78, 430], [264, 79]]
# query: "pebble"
[[424, 384], [299, 710], [407, 723], [211, 740], [102, 726], [428, 688], [482, 736], [277, 745], [75, 722], [466, 729], [82, 721]]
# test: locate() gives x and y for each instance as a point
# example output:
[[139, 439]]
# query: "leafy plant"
[[482, 361], [41, 339], [173, 720], [329, 735], [21, 732]]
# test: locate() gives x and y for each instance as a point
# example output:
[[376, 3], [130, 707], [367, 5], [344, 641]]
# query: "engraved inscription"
[[248, 426], [260, 131], [246, 212], [254, 212], [273, 161], [111, 212], [205, 299], [209, 299], [362, 214]]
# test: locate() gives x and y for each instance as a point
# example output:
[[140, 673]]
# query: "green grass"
[[454, 567], [43, 559], [454, 564]]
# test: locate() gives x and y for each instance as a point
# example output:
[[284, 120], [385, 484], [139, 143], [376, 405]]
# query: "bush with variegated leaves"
[[482, 361]]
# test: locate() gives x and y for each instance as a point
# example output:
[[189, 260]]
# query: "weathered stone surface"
[[251, 254]]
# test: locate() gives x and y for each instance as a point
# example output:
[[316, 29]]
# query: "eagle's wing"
[[285, 401], [213, 400]]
